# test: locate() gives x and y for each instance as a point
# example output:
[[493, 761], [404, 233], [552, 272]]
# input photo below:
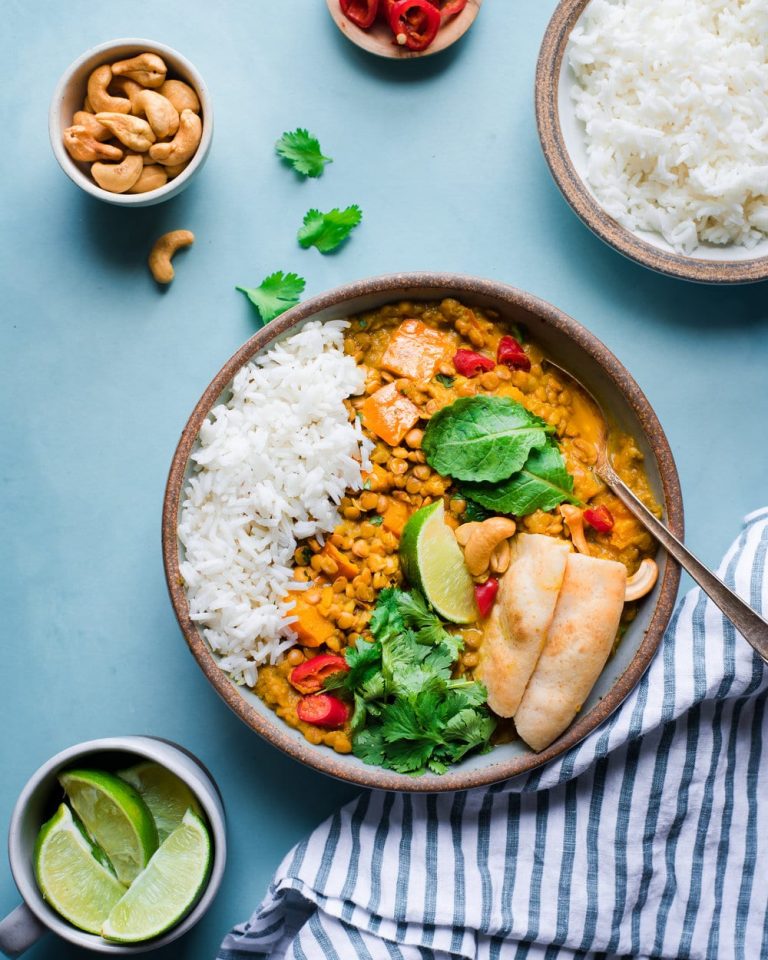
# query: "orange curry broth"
[[360, 558]]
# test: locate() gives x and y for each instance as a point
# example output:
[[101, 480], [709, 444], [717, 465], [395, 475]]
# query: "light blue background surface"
[[100, 369]]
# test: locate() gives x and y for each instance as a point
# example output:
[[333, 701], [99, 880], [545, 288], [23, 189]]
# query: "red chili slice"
[[449, 8], [361, 12], [323, 710], [510, 352], [414, 23], [310, 676], [485, 595], [471, 364], [600, 518]]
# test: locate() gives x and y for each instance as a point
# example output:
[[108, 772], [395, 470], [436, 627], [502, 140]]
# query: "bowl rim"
[[398, 285], [578, 196], [71, 168], [368, 40]]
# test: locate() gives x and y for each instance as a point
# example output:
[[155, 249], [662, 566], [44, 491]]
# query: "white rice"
[[674, 97], [272, 465]]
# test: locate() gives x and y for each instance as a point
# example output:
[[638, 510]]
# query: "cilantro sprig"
[[275, 294], [302, 150], [410, 715], [327, 230]]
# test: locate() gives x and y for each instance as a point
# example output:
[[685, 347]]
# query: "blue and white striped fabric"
[[649, 839]]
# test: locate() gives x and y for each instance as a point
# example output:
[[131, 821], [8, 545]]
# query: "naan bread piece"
[[579, 641], [516, 631]]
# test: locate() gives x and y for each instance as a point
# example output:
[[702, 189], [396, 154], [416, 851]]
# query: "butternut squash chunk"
[[312, 628], [415, 351], [346, 567], [395, 517], [389, 414]]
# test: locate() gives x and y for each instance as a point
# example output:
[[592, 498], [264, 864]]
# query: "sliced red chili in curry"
[[361, 12], [599, 518], [310, 676], [471, 364], [414, 23], [485, 595], [323, 710], [510, 352]]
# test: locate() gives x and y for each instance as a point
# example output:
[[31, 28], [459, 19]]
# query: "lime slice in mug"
[[116, 818], [433, 562], [167, 889], [167, 797], [70, 878]]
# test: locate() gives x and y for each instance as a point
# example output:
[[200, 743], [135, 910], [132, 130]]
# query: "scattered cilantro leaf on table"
[[275, 294], [542, 484], [327, 230], [302, 150], [410, 716]]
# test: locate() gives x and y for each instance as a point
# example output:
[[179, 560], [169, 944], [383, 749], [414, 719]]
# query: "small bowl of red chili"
[[403, 29]]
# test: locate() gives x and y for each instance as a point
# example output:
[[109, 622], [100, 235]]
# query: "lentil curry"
[[417, 359]]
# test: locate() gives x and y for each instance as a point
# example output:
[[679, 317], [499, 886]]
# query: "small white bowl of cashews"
[[131, 122]]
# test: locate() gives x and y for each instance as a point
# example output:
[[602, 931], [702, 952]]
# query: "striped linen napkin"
[[647, 840]]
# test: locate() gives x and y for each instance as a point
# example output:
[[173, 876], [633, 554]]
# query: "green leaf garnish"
[[376, 521], [327, 230], [444, 380], [482, 438], [302, 150], [542, 484], [275, 294]]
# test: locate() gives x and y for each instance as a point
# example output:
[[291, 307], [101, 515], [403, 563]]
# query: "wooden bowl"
[[563, 141], [574, 348], [379, 40]]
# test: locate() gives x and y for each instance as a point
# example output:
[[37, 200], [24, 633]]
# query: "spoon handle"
[[749, 623]]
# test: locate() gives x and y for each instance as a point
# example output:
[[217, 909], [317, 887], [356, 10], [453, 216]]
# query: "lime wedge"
[[167, 797], [433, 562], [116, 818], [167, 889], [70, 878]]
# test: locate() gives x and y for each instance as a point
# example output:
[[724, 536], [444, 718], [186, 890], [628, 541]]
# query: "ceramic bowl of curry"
[[486, 314]]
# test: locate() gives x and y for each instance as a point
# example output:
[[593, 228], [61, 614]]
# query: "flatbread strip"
[[516, 631], [580, 639]]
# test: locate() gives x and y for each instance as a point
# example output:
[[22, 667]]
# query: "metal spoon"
[[750, 624]]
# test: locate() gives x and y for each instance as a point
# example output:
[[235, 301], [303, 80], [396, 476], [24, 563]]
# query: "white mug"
[[33, 918]]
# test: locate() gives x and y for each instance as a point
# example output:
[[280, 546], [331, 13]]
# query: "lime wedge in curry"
[[116, 818], [433, 562], [70, 878], [167, 889], [167, 797]]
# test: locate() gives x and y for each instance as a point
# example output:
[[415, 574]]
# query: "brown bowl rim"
[[322, 758], [579, 198], [370, 40]]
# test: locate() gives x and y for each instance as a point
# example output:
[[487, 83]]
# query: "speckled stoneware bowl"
[[570, 345], [563, 141], [378, 38], [69, 95]]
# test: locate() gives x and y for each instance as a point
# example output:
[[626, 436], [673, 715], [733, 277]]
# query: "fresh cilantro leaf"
[[302, 150], [482, 438], [401, 722], [275, 294], [369, 746], [408, 756], [376, 521], [327, 230], [445, 380], [364, 662], [542, 484], [474, 512]]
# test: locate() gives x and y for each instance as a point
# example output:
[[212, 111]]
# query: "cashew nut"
[[163, 117], [500, 557], [95, 129], [81, 146], [181, 95], [87, 108], [151, 177], [183, 145], [118, 177], [574, 520], [127, 87], [642, 581], [464, 532], [147, 69], [174, 169], [98, 97], [484, 540], [134, 132], [160, 256]]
